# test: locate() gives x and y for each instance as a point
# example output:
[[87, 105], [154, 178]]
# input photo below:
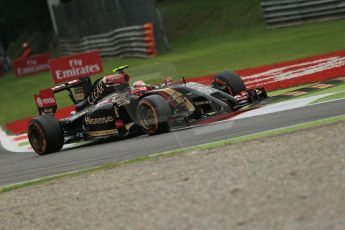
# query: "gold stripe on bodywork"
[[179, 98], [108, 131], [102, 132], [129, 125]]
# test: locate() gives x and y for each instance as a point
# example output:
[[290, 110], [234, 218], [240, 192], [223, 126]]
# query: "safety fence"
[[280, 13], [132, 41], [85, 18]]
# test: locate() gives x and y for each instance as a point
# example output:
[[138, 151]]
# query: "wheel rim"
[[147, 116], [37, 139]]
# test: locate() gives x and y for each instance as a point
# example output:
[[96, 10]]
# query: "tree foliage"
[[20, 19]]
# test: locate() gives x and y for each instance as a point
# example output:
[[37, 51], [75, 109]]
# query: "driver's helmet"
[[139, 84], [168, 81], [140, 87]]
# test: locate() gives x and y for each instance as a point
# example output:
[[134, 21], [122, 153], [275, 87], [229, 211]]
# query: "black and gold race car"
[[110, 107]]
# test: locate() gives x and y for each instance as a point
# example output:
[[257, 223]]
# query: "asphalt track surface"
[[19, 167]]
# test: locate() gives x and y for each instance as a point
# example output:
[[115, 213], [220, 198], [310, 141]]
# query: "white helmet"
[[139, 84]]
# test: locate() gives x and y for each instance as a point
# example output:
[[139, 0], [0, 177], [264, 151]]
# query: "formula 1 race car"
[[110, 107]]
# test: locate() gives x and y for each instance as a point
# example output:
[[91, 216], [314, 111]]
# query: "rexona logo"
[[99, 120], [76, 66]]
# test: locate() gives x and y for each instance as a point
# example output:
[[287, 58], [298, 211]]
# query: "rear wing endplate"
[[46, 102]]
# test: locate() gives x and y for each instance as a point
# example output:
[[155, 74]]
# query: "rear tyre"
[[153, 113], [229, 82], [45, 135]]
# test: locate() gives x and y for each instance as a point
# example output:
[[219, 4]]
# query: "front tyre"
[[45, 135], [153, 113], [229, 82]]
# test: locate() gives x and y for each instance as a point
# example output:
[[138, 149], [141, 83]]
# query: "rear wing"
[[77, 91], [46, 102]]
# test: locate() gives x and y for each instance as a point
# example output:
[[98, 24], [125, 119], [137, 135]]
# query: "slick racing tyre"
[[45, 135], [228, 82], [153, 114]]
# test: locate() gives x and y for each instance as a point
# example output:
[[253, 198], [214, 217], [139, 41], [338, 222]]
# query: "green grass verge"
[[278, 92], [338, 90], [180, 151], [24, 143], [335, 96]]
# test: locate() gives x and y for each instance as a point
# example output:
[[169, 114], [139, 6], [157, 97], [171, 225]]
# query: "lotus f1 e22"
[[110, 107]]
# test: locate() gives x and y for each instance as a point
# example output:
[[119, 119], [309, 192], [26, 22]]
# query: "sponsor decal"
[[120, 97], [99, 120], [103, 132], [117, 79], [45, 99], [50, 111], [79, 93], [39, 101], [76, 66], [202, 103], [96, 93], [30, 65]]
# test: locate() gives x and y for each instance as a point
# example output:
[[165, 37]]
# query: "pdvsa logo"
[[45, 101], [48, 101]]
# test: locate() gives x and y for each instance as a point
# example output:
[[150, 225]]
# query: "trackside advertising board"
[[31, 64], [75, 66]]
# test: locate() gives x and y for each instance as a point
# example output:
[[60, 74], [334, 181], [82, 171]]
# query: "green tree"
[[25, 20]]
